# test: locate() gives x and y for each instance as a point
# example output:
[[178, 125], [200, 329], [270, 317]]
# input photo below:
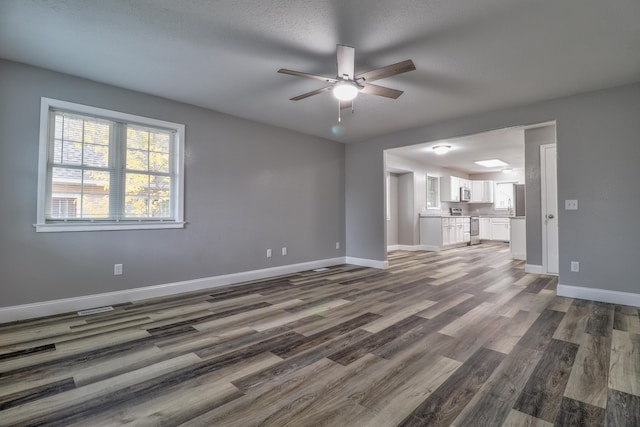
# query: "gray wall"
[[405, 209], [249, 187], [598, 137], [392, 222], [533, 139]]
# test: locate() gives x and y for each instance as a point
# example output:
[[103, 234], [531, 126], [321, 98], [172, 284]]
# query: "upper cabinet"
[[481, 191], [449, 189]]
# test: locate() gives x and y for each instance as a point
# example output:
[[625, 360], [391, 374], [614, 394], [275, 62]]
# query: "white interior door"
[[549, 184]]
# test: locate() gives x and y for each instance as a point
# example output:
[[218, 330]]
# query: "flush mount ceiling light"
[[507, 170], [345, 91], [491, 163], [441, 149]]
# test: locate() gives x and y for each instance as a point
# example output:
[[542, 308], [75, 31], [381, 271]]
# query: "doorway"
[[400, 209]]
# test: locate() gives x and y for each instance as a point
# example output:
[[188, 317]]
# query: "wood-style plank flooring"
[[462, 337]]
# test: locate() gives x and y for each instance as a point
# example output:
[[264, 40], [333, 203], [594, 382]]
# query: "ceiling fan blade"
[[387, 92], [388, 71], [307, 75], [346, 56], [313, 92]]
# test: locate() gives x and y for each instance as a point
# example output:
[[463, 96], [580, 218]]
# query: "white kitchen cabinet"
[[518, 238], [449, 189], [440, 232], [481, 191], [500, 229], [485, 228]]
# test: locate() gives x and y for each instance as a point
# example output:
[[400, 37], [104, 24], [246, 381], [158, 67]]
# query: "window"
[[105, 170], [433, 192], [504, 195]]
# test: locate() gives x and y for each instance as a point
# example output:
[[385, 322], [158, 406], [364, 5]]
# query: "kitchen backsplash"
[[486, 209]]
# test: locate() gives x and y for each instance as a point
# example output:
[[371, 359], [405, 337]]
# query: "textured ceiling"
[[471, 56]]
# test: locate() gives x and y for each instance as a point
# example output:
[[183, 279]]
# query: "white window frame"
[[46, 131], [437, 206]]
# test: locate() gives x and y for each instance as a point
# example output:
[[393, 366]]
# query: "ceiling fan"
[[346, 85]]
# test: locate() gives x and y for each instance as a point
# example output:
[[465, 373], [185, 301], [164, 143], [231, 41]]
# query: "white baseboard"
[[601, 295], [532, 268], [373, 263], [66, 305], [411, 248], [520, 256]]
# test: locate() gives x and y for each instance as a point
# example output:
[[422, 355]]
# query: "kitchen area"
[[453, 193]]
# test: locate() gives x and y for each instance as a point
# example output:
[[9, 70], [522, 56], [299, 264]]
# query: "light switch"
[[571, 205]]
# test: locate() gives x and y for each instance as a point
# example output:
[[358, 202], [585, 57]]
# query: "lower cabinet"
[[500, 229], [439, 232], [494, 229], [485, 228]]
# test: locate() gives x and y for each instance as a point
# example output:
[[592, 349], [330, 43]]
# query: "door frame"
[[543, 205]]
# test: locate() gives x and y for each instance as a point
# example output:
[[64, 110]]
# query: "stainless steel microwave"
[[465, 194]]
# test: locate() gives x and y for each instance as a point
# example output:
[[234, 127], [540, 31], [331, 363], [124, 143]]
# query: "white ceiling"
[[471, 56], [504, 144]]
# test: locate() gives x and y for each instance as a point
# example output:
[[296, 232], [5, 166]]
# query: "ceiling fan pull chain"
[[339, 118]]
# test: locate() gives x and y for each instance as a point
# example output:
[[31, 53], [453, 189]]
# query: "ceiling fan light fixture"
[[345, 91], [441, 149]]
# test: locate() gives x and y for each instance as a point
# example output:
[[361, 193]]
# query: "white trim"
[[373, 263], [430, 248], [601, 295], [533, 269], [66, 305], [543, 205], [108, 226], [411, 248]]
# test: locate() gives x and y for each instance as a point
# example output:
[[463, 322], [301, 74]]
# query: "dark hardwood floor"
[[462, 337]]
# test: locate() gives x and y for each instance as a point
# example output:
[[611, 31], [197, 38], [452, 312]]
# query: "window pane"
[[80, 142], [72, 129], [433, 190], [66, 184], [96, 155], [159, 197], [136, 206], [95, 194], [158, 162], [504, 195], [160, 142], [137, 138], [137, 160]]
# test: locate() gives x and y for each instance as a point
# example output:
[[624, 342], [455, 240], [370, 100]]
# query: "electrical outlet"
[[284, 251], [337, 245], [268, 253], [571, 205], [117, 269], [575, 266]]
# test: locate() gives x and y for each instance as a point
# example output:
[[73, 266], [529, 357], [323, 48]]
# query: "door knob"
[[550, 216]]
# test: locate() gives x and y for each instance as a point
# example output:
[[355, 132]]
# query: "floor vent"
[[94, 311], [321, 269]]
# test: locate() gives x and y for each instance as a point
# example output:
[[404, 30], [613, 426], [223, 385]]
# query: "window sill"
[[108, 226]]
